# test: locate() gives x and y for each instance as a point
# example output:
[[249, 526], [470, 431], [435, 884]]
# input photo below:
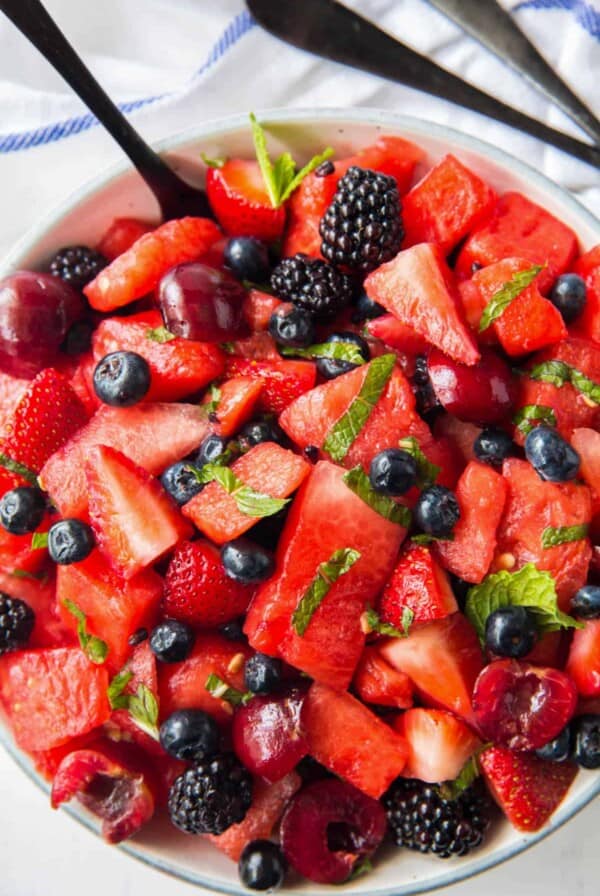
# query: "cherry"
[[203, 303], [521, 706], [483, 393], [267, 734], [36, 312], [328, 827]]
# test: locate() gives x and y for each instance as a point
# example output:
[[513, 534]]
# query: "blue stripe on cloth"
[[587, 16], [16, 142]]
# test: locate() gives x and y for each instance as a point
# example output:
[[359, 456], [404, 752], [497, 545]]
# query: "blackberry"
[[312, 284], [77, 265], [16, 623], [210, 797], [362, 228], [422, 820], [422, 388]]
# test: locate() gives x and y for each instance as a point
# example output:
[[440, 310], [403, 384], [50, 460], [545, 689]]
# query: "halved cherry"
[[482, 393], [268, 735]]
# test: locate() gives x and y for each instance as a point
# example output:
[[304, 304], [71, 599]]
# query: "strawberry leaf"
[[329, 572], [358, 482], [507, 293], [551, 536]]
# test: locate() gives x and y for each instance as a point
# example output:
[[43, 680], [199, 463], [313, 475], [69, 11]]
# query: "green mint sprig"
[[142, 706], [559, 373], [248, 501], [551, 536], [451, 790], [385, 628], [222, 691], [212, 405], [507, 293], [160, 335], [13, 466], [329, 572], [357, 481], [339, 351], [424, 538], [530, 415], [94, 648], [427, 473], [39, 540]]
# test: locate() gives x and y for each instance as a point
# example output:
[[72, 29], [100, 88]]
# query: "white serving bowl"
[[84, 216]]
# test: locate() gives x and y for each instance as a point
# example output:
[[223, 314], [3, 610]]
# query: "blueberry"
[[586, 741], [180, 482], [210, 450], [292, 326], [246, 562], [22, 510], [172, 641], [569, 296], [247, 258], [437, 511], [190, 734], [493, 445], [234, 630], [460, 588], [559, 749], [70, 541], [330, 368], [393, 472], [138, 637], [267, 531], [257, 431], [586, 603], [262, 865], [325, 168], [553, 458], [262, 673], [121, 379], [510, 631], [366, 309]]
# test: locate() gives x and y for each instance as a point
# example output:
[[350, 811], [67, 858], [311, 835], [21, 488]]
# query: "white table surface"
[[45, 853]]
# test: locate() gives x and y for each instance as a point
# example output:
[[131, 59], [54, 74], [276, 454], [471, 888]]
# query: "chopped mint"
[[213, 163], [329, 572], [13, 466], [424, 538], [506, 294], [228, 348], [528, 416], [362, 866], [558, 373], [346, 430], [528, 587], [117, 697], [340, 351], [220, 689], [94, 648], [427, 473], [357, 481], [142, 706], [248, 501], [211, 406], [159, 334], [280, 177], [451, 790], [39, 540], [25, 574], [551, 536], [385, 628]]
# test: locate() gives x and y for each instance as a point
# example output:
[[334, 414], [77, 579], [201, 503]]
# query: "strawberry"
[[82, 383], [11, 391], [583, 664], [198, 591], [588, 267], [418, 288], [527, 789], [237, 400], [138, 270], [282, 381], [134, 519], [121, 235], [239, 198], [439, 744], [375, 681], [419, 584]]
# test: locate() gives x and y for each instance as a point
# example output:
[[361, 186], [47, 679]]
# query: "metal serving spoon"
[[175, 197]]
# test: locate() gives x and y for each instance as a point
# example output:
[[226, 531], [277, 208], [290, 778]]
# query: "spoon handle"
[[35, 23]]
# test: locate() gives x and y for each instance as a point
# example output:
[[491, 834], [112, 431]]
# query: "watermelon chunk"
[[237, 400], [583, 664], [282, 381], [588, 267]]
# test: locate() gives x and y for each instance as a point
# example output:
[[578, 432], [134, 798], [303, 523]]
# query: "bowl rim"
[[214, 129]]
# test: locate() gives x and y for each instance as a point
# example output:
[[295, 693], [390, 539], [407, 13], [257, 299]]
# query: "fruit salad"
[[300, 514]]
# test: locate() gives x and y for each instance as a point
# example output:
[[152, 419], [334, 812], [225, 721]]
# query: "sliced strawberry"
[[446, 205], [418, 288], [282, 381], [443, 659], [239, 198], [375, 681], [51, 696], [114, 610], [401, 337], [439, 744], [178, 367], [347, 738], [183, 685], [527, 789], [121, 235], [258, 308], [11, 391], [138, 270], [82, 383], [583, 664], [267, 469], [237, 400], [134, 519], [138, 431], [517, 226], [532, 506], [588, 267], [198, 591], [419, 584], [481, 494]]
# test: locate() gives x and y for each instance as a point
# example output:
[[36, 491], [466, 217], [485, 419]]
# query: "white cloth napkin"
[[174, 63]]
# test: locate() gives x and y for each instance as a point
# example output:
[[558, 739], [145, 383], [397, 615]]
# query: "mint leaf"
[[94, 648], [143, 709], [248, 501], [558, 373], [528, 587], [526, 418], [228, 347], [13, 466], [220, 689], [213, 163], [280, 178], [25, 574], [340, 351], [117, 697], [357, 481], [39, 540], [507, 293], [345, 431], [424, 538], [427, 472], [385, 628], [552, 537], [451, 790], [211, 406], [361, 867], [159, 334], [329, 572]]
